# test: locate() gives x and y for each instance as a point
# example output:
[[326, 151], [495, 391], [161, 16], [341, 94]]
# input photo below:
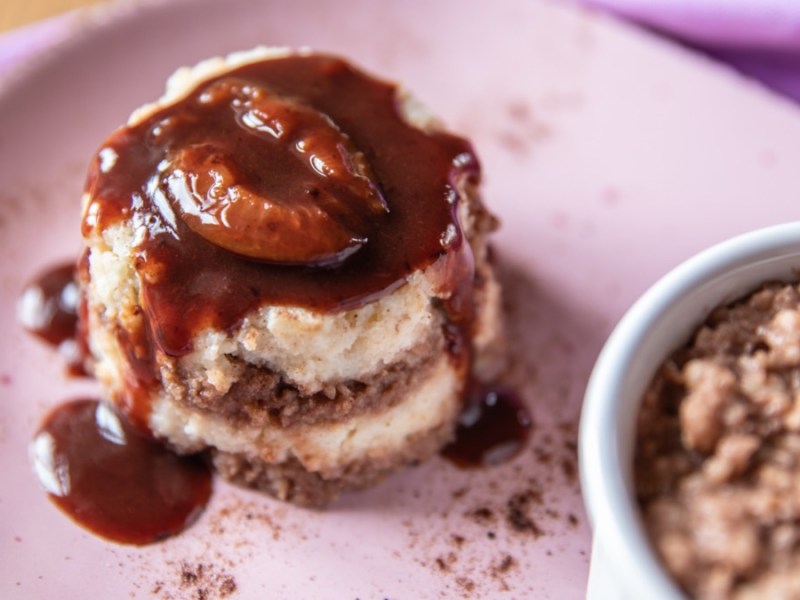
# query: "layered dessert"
[[718, 452], [286, 264]]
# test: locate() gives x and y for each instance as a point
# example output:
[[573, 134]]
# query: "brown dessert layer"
[[292, 482], [261, 397]]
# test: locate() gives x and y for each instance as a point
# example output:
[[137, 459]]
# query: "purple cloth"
[[761, 38]]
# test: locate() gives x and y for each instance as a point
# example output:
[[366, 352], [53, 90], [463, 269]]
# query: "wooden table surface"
[[16, 13]]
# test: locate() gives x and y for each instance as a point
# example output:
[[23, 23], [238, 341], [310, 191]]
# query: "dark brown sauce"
[[492, 429], [113, 481], [416, 172], [48, 308]]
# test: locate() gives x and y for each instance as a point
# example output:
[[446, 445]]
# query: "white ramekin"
[[623, 564]]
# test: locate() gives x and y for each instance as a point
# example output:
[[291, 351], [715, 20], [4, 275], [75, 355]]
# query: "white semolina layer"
[[308, 350]]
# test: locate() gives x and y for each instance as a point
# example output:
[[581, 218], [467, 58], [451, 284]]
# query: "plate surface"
[[608, 155]]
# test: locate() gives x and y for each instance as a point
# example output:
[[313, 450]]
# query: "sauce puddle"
[[112, 480], [95, 467], [492, 429], [48, 308]]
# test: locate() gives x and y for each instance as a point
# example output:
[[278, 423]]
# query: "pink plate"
[[609, 156]]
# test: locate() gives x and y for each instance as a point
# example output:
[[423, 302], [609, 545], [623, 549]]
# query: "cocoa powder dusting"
[[482, 515], [465, 583], [506, 564], [205, 581], [572, 520], [518, 509]]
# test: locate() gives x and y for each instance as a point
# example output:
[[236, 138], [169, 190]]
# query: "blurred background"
[[760, 38], [14, 13]]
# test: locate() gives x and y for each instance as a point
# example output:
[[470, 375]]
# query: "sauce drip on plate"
[[492, 428], [48, 308], [113, 481]]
